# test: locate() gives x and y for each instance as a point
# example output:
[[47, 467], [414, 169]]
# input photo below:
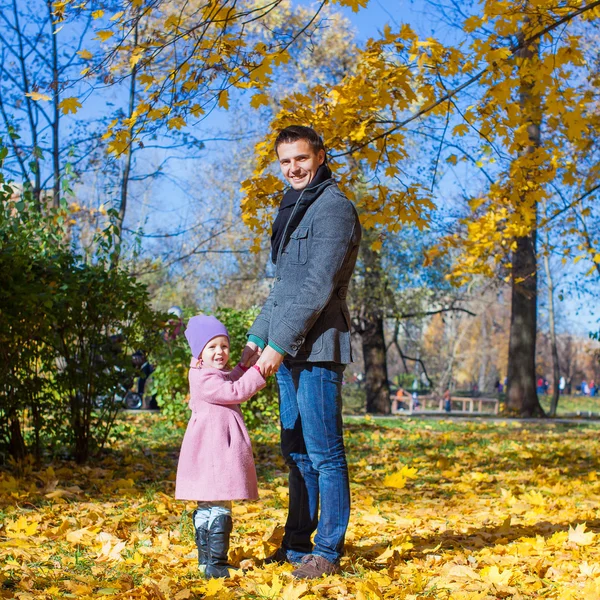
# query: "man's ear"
[[321, 157]]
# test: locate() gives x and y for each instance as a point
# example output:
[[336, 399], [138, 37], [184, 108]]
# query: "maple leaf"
[[104, 35], [21, 527], [85, 54], [355, 5], [214, 586], [259, 100], [293, 591], [493, 575], [579, 536], [37, 96], [224, 99], [69, 105], [267, 591], [399, 479], [589, 570], [176, 123]]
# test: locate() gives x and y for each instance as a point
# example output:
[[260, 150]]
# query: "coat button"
[[278, 278], [275, 303]]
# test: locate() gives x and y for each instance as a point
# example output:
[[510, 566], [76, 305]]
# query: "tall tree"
[[38, 66], [468, 94], [521, 393]]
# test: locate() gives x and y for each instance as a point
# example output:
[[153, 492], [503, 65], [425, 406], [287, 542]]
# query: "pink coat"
[[216, 462]]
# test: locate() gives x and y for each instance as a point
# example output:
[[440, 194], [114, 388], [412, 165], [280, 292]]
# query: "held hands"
[[250, 354], [269, 362]]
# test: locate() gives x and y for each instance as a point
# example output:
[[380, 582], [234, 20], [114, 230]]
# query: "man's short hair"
[[293, 133]]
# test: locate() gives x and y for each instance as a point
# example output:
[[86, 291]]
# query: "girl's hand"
[[250, 355]]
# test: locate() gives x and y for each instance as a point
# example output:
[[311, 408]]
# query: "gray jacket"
[[306, 312]]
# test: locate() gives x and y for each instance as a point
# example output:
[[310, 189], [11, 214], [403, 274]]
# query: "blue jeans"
[[310, 405]]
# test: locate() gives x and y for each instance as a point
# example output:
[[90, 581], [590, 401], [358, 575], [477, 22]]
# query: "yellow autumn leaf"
[[355, 5], [580, 536], [111, 551], [85, 54], [293, 590], [69, 105], [97, 14], [213, 587], [399, 479], [495, 576], [224, 99], [176, 123], [460, 129], [21, 527], [268, 592], [37, 96], [259, 100], [104, 35]]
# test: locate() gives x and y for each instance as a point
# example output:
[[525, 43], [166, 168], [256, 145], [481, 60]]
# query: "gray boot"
[[218, 547], [201, 537]]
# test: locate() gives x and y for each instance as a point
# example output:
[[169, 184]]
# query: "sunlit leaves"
[[493, 512], [366, 121]]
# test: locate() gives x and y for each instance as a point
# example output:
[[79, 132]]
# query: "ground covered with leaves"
[[441, 509]]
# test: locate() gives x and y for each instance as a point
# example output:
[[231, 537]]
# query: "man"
[[304, 333]]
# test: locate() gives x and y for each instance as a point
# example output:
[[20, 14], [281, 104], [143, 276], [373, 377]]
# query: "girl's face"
[[216, 353]]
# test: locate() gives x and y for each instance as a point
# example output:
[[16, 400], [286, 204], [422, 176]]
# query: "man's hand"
[[269, 362], [250, 354]]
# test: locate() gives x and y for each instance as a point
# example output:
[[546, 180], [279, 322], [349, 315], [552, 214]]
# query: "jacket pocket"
[[298, 246]]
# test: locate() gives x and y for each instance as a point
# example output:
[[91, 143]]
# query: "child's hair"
[[200, 330]]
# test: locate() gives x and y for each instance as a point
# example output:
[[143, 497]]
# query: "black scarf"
[[289, 200]]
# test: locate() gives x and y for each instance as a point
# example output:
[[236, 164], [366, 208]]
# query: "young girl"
[[215, 463]]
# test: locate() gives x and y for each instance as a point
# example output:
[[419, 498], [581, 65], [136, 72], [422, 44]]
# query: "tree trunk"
[[128, 158], [376, 377], [551, 318], [373, 341], [16, 444], [521, 394], [30, 104], [56, 110]]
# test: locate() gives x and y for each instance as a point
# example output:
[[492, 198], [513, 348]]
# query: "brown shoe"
[[314, 566]]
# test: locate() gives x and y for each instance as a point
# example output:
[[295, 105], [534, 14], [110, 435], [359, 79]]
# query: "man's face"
[[299, 162]]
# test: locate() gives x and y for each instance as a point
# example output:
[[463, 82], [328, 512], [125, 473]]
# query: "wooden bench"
[[435, 404]]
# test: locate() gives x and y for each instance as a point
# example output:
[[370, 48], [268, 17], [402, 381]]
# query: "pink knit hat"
[[201, 329]]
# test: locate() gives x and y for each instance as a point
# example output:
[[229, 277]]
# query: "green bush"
[[67, 330]]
